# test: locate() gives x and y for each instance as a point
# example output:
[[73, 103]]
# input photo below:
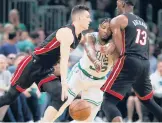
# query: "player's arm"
[[89, 46], [65, 37], [117, 24], [109, 48]]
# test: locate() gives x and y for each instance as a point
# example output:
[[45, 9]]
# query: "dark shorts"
[[29, 71], [129, 71]]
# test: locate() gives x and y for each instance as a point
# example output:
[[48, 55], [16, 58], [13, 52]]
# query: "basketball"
[[80, 110]]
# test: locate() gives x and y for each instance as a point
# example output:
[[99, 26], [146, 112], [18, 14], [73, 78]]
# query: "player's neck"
[[100, 41], [128, 9], [78, 29]]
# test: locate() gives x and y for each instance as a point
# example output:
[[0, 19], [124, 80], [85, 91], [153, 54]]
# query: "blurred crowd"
[[16, 42]]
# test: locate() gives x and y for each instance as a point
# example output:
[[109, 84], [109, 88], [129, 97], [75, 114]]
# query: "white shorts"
[[89, 88]]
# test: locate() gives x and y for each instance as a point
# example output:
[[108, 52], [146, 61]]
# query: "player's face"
[[104, 31], [85, 20], [119, 6]]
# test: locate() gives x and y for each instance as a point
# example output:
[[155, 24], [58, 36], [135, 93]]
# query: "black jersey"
[[135, 37], [49, 51]]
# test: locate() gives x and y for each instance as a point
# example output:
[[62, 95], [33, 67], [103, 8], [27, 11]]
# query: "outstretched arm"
[[89, 46]]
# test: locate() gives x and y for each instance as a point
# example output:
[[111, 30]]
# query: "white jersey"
[[83, 78], [87, 66]]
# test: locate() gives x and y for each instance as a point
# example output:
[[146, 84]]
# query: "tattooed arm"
[[88, 43]]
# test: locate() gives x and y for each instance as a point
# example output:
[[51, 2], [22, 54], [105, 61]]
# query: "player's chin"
[[86, 28], [104, 38]]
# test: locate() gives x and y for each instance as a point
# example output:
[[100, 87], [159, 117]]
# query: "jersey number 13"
[[141, 37]]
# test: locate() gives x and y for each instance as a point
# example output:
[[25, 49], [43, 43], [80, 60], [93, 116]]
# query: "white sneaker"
[[138, 121], [98, 119], [129, 121]]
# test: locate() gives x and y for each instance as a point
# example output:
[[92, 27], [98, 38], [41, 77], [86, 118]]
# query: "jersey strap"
[[87, 74]]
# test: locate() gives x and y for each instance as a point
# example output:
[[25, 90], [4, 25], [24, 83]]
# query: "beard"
[[118, 11], [106, 40]]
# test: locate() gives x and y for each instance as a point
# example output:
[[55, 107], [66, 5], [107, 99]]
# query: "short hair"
[[3, 57], [15, 11], [11, 35], [130, 2], [34, 35], [79, 8], [104, 20]]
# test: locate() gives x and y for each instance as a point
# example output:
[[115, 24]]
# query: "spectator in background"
[[35, 38], [5, 77], [25, 44], [8, 28], [152, 58], [100, 12], [1, 33], [84, 2], [10, 46], [152, 27], [133, 102], [156, 81], [17, 60], [15, 20], [41, 34], [11, 59]]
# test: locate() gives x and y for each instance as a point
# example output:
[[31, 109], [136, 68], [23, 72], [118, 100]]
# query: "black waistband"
[[35, 56], [137, 56]]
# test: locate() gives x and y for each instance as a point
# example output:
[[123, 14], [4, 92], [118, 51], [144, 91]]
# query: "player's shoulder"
[[120, 20], [120, 17], [64, 33]]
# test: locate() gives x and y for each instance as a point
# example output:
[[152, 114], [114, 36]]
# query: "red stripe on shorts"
[[49, 78], [112, 77], [20, 69], [147, 97]]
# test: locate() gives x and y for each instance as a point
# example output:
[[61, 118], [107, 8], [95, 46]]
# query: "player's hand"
[[97, 65], [108, 49], [64, 93], [27, 94]]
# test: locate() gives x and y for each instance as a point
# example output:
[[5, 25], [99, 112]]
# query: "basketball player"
[[130, 35], [38, 67], [89, 74]]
